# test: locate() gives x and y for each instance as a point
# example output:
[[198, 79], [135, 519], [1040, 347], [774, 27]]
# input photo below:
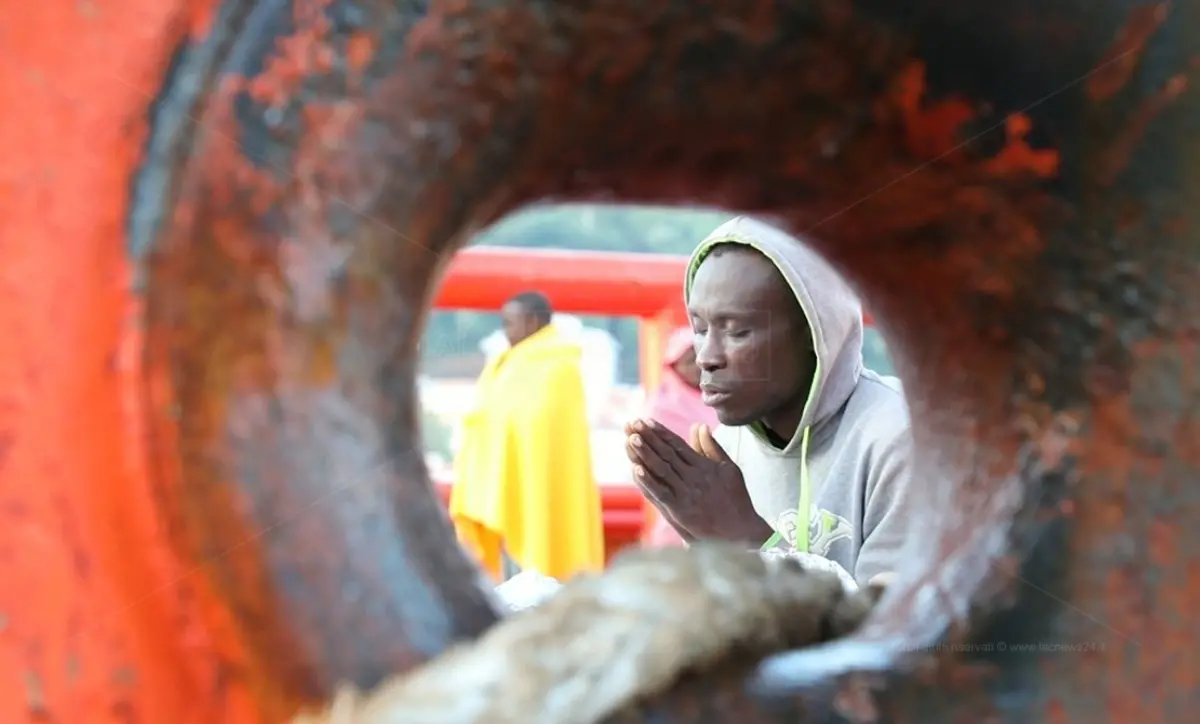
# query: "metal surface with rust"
[[1010, 184]]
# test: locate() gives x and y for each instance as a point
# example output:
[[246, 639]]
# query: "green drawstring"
[[802, 512]]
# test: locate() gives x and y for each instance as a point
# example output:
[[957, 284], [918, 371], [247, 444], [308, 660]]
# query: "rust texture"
[[1011, 185]]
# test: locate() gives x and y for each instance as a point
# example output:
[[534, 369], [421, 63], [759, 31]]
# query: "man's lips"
[[712, 395]]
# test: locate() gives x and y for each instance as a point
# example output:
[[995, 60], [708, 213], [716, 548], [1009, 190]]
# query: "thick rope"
[[604, 643]]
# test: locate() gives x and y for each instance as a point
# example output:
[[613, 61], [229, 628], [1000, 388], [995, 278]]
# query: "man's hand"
[[697, 488]]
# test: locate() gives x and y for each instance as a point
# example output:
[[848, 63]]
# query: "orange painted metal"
[[1049, 335], [95, 623]]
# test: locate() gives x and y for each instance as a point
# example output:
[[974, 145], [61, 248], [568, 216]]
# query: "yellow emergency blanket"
[[523, 478]]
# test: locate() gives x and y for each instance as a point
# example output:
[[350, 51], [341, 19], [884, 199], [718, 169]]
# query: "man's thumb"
[[709, 445]]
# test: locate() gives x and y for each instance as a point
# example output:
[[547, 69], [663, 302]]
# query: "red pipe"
[[619, 284], [580, 282]]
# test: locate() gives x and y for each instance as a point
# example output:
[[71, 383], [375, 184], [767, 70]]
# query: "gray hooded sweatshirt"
[[840, 488]]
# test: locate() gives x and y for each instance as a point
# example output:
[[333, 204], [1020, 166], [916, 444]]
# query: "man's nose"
[[709, 356]]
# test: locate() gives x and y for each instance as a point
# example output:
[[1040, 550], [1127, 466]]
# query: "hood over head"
[[833, 310]]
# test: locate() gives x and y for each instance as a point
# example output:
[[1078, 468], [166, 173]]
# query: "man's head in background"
[[524, 315]]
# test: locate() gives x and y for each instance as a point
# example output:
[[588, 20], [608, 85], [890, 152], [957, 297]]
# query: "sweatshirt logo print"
[[824, 529]]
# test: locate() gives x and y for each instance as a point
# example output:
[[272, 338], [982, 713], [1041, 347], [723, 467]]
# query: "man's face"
[[518, 324], [753, 346]]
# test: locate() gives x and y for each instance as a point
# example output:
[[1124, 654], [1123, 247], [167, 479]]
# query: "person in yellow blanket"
[[524, 495]]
